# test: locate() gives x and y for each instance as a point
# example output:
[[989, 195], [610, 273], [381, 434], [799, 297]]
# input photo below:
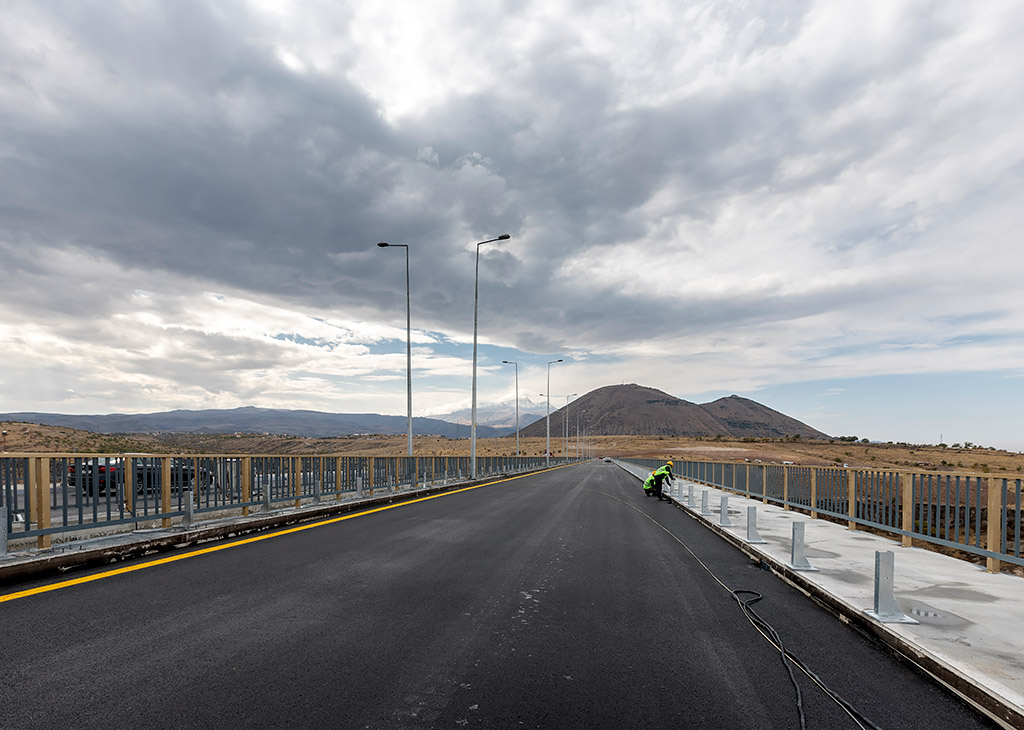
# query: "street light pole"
[[547, 453], [565, 425], [578, 414], [408, 336], [513, 362], [476, 299]]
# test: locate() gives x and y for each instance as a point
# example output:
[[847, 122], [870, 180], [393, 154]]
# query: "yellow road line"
[[246, 541]]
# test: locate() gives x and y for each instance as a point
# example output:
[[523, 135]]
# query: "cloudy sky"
[[814, 204]]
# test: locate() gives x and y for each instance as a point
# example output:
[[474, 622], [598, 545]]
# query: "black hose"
[[752, 616], [747, 607]]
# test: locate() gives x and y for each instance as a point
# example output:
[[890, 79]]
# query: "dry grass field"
[[23, 437]]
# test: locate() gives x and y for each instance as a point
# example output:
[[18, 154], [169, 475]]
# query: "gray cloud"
[[690, 174]]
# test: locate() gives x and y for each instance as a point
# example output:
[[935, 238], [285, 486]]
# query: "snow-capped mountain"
[[499, 415]]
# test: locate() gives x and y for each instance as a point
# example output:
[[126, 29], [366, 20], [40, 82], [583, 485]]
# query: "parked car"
[[97, 475], [91, 475]]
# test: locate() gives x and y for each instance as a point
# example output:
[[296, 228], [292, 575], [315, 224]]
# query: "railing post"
[[851, 499], [337, 476], [887, 609], [267, 496], [3, 531], [165, 490], [752, 534], [996, 526], [723, 513], [798, 555], [747, 489], [764, 484], [31, 495], [198, 483], [370, 477], [43, 500], [907, 506], [246, 483], [814, 493], [297, 480], [129, 484], [190, 509], [785, 487]]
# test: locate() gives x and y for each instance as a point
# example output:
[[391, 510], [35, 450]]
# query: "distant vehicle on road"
[[96, 476]]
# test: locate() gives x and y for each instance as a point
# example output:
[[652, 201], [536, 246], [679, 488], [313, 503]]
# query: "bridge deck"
[[561, 599]]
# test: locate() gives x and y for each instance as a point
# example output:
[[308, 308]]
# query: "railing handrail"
[[59, 492], [949, 509]]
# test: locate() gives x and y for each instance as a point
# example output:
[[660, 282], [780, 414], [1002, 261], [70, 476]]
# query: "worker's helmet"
[[670, 463]]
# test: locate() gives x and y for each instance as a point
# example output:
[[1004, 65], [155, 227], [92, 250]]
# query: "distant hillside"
[[253, 420], [637, 410]]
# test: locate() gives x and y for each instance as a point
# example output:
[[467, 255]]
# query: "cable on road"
[[745, 599]]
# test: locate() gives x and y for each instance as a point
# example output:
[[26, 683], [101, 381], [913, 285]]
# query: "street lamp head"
[[559, 360], [504, 237], [383, 244]]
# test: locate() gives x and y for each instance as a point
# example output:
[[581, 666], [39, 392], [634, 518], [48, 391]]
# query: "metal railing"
[[42, 495], [978, 515]]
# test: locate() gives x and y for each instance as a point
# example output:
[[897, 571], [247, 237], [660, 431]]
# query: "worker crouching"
[[653, 485]]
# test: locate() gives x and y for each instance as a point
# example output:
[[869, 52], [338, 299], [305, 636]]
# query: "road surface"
[[558, 600]]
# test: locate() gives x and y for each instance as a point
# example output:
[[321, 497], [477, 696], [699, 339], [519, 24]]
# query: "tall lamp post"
[[513, 362], [476, 299], [408, 335], [565, 425], [547, 453]]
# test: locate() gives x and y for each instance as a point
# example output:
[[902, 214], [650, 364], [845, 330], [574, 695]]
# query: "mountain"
[[612, 410], [635, 409], [744, 417], [499, 415], [254, 420]]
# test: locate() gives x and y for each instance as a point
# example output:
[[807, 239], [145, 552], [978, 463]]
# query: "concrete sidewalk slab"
[[970, 633]]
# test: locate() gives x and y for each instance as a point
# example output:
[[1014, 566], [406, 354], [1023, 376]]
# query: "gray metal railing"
[[49, 494], [978, 515]]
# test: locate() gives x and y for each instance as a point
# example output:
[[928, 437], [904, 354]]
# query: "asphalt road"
[[559, 600]]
